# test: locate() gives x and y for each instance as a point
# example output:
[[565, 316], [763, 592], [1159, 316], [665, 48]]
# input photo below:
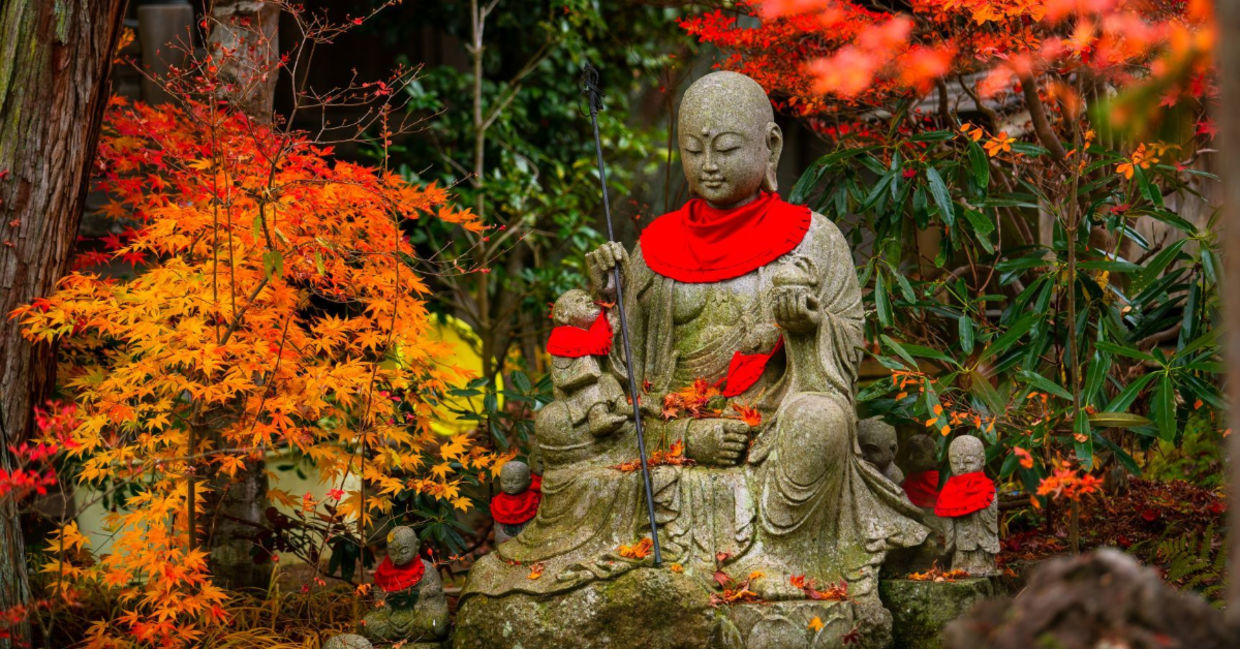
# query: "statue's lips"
[[713, 183]]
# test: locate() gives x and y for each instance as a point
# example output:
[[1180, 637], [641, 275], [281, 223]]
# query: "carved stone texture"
[[922, 609], [758, 298]]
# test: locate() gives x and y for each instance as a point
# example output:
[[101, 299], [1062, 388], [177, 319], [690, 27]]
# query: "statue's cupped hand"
[[718, 442]]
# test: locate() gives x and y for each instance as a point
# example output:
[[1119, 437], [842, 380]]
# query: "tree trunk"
[[55, 58], [244, 41], [1229, 144]]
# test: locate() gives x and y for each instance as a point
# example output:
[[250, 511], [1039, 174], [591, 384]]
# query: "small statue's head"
[[729, 142], [878, 441], [514, 477], [402, 545], [919, 453], [576, 308], [966, 455]]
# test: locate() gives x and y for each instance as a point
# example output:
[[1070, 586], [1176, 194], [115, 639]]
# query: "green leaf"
[[899, 349], [882, 301], [938, 189], [273, 263], [1108, 419], [965, 325], [1163, 407], [1045, 385], [1003, 342], [980, 165], [1085, 449], [1124, 399]]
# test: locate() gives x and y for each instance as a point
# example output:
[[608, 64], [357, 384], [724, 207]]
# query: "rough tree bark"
[[244, 41], [1228, 17], [55, 59]]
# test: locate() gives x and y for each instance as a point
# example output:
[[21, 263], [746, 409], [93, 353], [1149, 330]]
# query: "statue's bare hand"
[[720, 442], [796, 309], [599, 264]]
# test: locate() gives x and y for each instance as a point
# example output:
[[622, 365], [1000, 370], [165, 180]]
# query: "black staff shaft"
[[594, 96]]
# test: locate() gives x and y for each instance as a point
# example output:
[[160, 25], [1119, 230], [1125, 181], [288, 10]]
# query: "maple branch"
[[1037, 115]]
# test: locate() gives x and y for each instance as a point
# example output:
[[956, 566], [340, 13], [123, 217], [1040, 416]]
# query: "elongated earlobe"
[[775, 144]]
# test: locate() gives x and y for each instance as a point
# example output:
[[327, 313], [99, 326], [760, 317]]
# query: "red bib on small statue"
[[509, 509], [699, 243], [574, 342], [922, 488], [965, 494], [392, 578]]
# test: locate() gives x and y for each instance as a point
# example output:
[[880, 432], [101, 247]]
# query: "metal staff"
[[595, 98]]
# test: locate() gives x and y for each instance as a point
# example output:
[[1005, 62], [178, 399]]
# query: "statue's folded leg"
[[822, 514]]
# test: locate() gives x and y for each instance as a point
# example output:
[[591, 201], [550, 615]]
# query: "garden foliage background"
[[1028, 188]]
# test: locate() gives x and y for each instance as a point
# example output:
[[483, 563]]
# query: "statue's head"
[[918, 453], [966, 455], [729, 142], [878, 441], [514, 477], [575, 307], [402, 545]]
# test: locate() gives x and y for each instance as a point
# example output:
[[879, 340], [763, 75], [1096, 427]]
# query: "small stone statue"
[[414, 608], [878, 445], [969, 506], [921, 484], [584, 334], [517, 502]]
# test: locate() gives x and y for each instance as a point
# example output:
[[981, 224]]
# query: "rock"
[[920, 610], [645, 607], [1100, 599]]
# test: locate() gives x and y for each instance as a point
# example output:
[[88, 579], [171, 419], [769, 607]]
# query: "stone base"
[[660, 609], [921, 609]]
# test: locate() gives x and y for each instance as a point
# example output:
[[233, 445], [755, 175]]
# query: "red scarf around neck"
[[574, 342], [699, 243], [510, 509], [922, 488], [392, 578], [964, 494]]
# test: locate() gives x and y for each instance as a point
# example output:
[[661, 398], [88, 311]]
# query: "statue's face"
[[575, 307], [919, 451], [723, 164], [728, 141], [966, 455], [402, 545], [514, 477], [878, 442]]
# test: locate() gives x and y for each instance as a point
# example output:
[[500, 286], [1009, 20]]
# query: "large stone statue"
[[757, 300]]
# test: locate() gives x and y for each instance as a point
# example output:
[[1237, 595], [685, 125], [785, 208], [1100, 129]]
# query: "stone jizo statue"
[[414, 608], [970, 506], [879, 445], [921, 482], [517, 502], [759, 298]]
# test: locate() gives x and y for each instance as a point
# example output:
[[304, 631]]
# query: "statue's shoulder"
[[823, 238]]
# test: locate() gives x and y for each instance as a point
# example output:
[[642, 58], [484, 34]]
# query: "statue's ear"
[[775, 144]]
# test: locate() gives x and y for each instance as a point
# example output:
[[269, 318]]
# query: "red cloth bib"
[[922, 488], [699, 243], [508, 509], [392, 578], [745, 369], [965, 494], [574, 342]]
